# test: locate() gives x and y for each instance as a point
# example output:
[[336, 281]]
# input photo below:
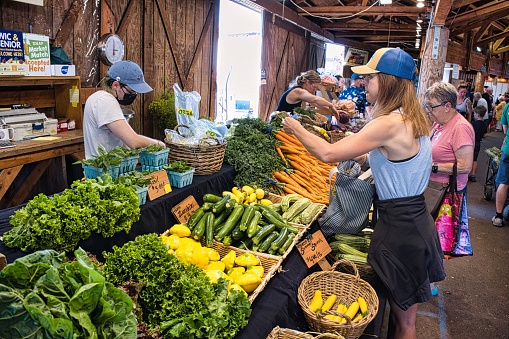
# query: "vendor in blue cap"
[[104, 123], [355, 93], [405, 250]]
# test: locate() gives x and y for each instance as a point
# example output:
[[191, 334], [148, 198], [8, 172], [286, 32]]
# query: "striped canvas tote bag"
[[349, 201]]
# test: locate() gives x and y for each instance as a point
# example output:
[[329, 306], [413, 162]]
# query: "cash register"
[[25, 122]]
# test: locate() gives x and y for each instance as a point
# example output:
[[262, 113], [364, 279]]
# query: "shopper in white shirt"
[[104, 123]]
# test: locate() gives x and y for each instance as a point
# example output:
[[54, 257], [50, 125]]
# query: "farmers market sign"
[[314, 248], [159, 184]]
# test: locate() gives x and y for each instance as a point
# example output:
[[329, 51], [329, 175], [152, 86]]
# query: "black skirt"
[[405, 250]]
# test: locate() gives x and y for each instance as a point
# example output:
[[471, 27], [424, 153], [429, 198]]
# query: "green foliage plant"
[[163, 107]]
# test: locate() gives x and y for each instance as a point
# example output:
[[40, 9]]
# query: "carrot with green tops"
[[282, 156]]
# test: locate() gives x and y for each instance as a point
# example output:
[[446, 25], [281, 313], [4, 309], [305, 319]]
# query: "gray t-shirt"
[[101, 109]]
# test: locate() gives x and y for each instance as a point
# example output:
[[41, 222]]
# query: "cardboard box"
[[50, 126], [63, 70], [37, 54], [66, 125]]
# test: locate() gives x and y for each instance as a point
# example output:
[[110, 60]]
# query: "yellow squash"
[[329, 303], [317, 301]]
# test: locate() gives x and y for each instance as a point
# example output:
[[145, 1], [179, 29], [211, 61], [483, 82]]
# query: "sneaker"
[[498, 222], [471, 178], [434, 290]]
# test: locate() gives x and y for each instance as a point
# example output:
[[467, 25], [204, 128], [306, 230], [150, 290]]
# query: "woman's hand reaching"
[[290, 125]]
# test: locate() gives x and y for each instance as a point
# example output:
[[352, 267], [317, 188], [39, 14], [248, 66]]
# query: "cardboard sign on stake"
[[185, 209], [313, 249], [159, 184]]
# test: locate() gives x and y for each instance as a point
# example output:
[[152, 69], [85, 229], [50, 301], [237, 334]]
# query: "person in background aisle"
[[479, 131], [464, 105], [480, 101], [498, 111], [488, 96], [405, 239], [303, 88], [452, 137], [502, 178], [104, 123], [355, 93]]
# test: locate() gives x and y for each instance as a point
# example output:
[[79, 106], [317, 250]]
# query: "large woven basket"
[[206, 158], [286, 333], [347, 288]]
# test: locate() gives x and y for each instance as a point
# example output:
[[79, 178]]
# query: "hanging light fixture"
[[420, 4], [385, 2]]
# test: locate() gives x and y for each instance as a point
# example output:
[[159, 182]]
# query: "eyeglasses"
[[369, 77], [128, 90], [429, 108]]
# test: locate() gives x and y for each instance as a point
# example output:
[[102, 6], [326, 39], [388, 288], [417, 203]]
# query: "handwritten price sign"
[[159, 184], [314, 248], [185, 209]]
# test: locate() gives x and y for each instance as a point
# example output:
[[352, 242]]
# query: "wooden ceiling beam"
[[340, 26], [474, 23], [282, 11], [442, 10], [499, 41], [494, 37], [501, 50], [462, 3], [482, 31], [335, 11], [497, 8]]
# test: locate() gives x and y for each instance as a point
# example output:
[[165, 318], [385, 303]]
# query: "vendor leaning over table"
[[303, 88], [104, 123], [405, 250]]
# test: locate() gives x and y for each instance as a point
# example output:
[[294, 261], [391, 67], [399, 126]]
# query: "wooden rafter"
[[499, 41], [492, 38], [442, 10], [480, 33], [479, 13], [366, 10], [339, 26]]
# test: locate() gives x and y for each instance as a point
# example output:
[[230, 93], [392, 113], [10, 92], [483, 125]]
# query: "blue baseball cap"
[[356, 76], [130, 74], [392, 61]]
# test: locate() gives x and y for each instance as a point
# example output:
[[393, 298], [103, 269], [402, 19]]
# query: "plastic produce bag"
[[186, 105]]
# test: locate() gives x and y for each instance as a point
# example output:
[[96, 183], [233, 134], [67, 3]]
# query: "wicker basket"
[[286, 333], [3, 261], [347, 288], [206, 158], [271, 264], [335, 136]]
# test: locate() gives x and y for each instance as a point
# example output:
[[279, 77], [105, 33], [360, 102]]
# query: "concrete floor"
[[473, 300]]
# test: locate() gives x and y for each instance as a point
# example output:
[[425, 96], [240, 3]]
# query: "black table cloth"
[[276, 305]]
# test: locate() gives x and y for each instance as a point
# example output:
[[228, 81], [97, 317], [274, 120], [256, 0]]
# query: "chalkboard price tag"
[[185, 209], [159, 184], [313, 248]]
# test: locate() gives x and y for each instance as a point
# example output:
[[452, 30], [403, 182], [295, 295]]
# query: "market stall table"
[[41, 152], [276, 305]]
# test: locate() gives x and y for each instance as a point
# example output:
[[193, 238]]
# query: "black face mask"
[[128, 98]]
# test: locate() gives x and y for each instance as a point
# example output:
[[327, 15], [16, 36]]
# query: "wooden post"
[[479, 83], [433, 59]]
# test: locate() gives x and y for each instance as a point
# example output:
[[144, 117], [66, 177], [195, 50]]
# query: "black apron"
[[405, 250]]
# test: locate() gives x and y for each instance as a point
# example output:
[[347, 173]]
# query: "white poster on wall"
[[33, 2], [455, 71]]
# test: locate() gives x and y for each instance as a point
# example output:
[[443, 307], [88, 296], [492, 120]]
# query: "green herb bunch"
[[163, 107], [45, 297], [179, 166], [134, 179], [152, 148], [251, 150], [61, 221], [177, 298]]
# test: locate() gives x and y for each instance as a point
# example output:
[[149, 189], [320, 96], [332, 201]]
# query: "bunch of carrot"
[[309, 177]]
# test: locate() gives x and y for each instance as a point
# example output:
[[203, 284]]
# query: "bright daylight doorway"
[[238, 61]]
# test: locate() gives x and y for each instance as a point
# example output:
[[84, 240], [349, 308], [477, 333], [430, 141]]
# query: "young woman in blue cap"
[[405, 250], [104, 123]]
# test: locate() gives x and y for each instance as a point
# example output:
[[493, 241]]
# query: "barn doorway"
[[238, 60]]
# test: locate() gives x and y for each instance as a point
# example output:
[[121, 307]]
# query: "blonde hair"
[[312, 76], [395, 93]]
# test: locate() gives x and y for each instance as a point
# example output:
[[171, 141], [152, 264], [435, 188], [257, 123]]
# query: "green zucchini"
[[219, 206], [230, 223], [280, 240], [209, 228], [289, 239], [264, 232], [211, 198], [279, 224], [207, 206], [267, 241], [222, 217], [253, 223], [246, 244], [248, 214], [199, 229], [297, 207], [227, 241], [237, 233], [195, 217]]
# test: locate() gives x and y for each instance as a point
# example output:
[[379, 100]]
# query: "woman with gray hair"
[[480, 101]]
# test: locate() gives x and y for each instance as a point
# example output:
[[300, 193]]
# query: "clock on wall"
[[111, 49]]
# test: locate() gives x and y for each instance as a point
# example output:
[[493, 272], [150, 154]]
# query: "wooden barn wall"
[[173, 41], [287, 51]]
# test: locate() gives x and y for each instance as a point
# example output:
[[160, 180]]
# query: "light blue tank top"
[[401, 179]]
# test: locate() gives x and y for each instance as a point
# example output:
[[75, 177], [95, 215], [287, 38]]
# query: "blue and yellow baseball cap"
[[392, 61]]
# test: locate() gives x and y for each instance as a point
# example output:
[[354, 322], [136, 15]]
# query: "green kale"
[[252, 152]]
